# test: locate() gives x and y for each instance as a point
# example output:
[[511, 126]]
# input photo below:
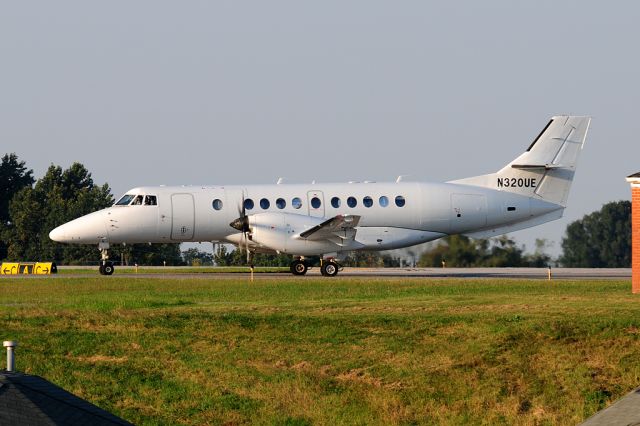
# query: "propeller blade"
[[242, 222], [242, 225]]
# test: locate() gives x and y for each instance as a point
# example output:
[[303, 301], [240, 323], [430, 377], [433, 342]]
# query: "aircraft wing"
[[338, 227]]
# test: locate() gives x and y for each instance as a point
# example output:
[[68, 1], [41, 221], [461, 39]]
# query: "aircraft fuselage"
[[393, 215], [330, 219]]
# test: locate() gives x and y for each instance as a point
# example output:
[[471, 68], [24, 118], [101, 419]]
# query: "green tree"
[[460, 251], [14, 176], [146, 254], [59, 196], [370, 259], [195, 257], [456, 251], [222, 256], [539, 258], [502, 252], [601, 239]]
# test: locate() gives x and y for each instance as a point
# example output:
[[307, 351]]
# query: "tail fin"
[[546, 169]]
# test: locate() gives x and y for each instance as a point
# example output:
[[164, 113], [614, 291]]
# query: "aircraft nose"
[[87, 229], [58, 234]]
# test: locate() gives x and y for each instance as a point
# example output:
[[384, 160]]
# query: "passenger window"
[[296, 203], [150, 200], [352, 202], [384, 201], [248, 204], [335, 202], [125, 200], [400, 201], [316, 203], [217, 204], [367, 201], [264, 203], [137, 201], [281, 203]]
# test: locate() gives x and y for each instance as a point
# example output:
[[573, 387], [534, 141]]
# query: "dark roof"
[[31, 400], [635, 175]]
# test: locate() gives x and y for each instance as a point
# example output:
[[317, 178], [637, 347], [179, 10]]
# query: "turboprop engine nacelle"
[[281, 232]]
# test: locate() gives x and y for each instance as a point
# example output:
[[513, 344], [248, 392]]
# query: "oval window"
[[384, 201], [315, 203], [352, 202], [400, 201], [264, 203], [296, 203], [281, 203], [248, 203], [217, 204], [335, 202], [367, 201]]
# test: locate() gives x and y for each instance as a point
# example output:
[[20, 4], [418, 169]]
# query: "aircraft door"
[[182, 217], [468, 211], [315, 202]]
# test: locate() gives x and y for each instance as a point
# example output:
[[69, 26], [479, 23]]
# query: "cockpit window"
[[150, 200], [125, 200], [137, 201]]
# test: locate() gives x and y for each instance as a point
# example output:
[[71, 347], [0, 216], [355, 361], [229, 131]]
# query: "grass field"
[[295, 351]]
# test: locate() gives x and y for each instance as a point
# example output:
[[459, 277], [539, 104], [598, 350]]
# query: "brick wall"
[[635, 238]]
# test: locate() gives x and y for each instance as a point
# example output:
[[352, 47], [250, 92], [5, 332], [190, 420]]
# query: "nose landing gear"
[[106, 266]]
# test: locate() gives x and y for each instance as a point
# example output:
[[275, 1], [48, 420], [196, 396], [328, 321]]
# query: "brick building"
[[634, 180]]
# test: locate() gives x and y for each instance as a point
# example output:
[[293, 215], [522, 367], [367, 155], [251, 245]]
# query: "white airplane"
[[329, 220]]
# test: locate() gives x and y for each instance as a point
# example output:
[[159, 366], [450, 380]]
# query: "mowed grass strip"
[[300, 351]]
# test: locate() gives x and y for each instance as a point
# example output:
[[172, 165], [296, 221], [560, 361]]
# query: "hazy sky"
[[204, 92]]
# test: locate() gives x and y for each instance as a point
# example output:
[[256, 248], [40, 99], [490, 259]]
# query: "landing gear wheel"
[[329, 269], [298, 267], [101, 269], [107, 268]]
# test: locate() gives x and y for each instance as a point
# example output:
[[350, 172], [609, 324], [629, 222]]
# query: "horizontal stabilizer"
[[536, 166]]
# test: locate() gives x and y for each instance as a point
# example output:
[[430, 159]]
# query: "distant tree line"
[[461, 251], [30, 209]]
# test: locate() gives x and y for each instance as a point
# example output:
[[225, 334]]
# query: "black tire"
[[298, 267], [101, 269], [108, 268], [329, 269]]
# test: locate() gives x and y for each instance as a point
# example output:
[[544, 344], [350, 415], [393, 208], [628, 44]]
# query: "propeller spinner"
[[242, 225]]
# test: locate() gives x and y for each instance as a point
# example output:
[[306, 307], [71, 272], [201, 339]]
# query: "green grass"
[[69, 270], [287, 351]]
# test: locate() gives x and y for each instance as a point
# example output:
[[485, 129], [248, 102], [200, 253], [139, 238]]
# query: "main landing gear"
[[328, 268], [106, 266], [298, 267]]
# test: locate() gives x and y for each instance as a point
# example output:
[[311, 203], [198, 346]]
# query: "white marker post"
[[10, 344]]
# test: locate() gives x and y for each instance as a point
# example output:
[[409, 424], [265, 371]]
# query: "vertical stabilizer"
[[546, 169]]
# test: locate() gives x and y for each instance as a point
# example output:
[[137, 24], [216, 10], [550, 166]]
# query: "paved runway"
[[537, 273], [526, 273]]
